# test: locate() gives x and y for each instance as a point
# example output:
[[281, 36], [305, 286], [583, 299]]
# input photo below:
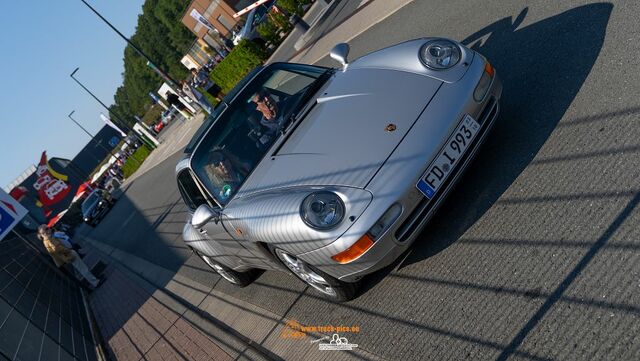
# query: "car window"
[[189, 190], [239, 139], [90, 201]]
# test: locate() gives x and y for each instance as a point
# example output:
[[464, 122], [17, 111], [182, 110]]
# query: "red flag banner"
[[50, 185]]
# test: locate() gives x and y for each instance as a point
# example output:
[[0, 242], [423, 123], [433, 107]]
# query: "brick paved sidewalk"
[[137, 324]]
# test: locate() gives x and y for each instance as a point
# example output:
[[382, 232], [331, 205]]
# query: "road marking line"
[[124, 224], [182, 137]]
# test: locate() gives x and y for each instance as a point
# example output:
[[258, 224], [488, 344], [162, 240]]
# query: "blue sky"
[[41, 44]]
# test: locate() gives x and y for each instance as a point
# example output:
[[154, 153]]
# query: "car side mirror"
[[203, 215], [340, 53]]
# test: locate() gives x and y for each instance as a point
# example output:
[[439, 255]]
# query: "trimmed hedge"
[[241, 60], [293, 6], [130, 166]]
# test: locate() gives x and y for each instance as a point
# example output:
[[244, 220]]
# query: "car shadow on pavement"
[[542, 66]]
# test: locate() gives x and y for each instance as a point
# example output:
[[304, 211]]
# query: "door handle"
[[202, 231]]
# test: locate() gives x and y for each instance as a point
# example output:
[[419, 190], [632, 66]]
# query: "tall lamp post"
[[138, 50], [120, 121]]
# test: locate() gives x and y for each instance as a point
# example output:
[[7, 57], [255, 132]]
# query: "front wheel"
[[330, 287], [240, 279]]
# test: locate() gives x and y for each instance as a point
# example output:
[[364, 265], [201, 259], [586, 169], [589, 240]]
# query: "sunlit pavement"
[[174, 137], [535, 255]]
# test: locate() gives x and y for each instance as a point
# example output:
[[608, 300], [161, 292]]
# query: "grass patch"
[[135, 161]]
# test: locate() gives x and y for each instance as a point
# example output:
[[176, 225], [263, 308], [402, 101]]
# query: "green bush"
[[281, 21], [213, 101], [240, 61], [153, 114], [135, 160], [269, 32], [293, 6]]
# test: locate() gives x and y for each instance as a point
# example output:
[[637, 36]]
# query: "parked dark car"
[[96, 206]]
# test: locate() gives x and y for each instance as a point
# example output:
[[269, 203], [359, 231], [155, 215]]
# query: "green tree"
[[161, 35]]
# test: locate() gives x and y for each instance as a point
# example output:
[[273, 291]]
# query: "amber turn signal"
[[356, 250], [489, 69]]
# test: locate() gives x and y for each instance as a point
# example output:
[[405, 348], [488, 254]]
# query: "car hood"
[[90, 210], [358, 120]]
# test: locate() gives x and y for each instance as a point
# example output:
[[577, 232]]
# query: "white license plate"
[[449, 156]]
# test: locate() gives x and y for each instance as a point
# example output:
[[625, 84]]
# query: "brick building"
[[219, 13]]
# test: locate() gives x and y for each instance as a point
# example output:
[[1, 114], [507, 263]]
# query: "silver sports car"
[[332, 173]]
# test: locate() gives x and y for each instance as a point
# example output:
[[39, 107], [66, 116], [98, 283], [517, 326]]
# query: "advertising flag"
[[51, 186]]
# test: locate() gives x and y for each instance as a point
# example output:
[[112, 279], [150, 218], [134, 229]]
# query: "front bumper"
[[402, 171]]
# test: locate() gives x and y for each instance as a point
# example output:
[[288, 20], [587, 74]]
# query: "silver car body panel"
[[330, 137], [404, 57], [396, 180], [274, 218], [343, 145]]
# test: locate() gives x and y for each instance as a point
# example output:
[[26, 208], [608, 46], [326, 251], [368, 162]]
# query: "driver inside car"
[[267, 106], [226, 171]]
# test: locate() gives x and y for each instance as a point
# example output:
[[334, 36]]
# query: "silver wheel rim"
[[300, 269], [221, 271]]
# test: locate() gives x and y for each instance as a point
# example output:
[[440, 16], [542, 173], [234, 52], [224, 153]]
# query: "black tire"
[[240, 279], [341, 291]]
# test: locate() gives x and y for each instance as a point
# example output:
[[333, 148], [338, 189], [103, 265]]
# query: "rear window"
[[191, 195]]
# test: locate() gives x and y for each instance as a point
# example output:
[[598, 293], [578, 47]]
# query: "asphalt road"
[[536, 254]]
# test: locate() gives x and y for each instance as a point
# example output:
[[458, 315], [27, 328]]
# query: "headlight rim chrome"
[[335, 223], [433, 41]]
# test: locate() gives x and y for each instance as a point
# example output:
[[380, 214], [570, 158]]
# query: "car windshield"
[[253, 120], [90, 201]]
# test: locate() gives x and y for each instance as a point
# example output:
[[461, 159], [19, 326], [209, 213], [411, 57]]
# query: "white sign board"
[[201, 19], [11, 212]]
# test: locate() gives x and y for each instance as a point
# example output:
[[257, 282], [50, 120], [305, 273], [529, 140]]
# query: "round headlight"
[[440, 54], [322, 210]]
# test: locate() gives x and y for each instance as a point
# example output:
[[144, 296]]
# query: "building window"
[[225, 22]]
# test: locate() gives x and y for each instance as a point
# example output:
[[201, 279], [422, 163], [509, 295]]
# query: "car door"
[[212, 239]]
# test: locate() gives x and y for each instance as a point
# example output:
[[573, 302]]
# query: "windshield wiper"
[[306, 96]]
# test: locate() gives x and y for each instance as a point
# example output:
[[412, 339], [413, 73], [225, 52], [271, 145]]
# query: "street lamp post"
[[120, 121], [138, 50]]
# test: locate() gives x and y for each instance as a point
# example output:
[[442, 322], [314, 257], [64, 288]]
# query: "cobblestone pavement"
[[136, 324]]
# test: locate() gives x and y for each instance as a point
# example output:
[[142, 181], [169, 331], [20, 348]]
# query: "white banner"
[[110, 123], [11, 212], [201, 19]]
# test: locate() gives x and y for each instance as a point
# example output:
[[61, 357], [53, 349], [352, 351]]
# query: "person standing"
[[201, 79], [175, 101], [197, 96], [61, 255]]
